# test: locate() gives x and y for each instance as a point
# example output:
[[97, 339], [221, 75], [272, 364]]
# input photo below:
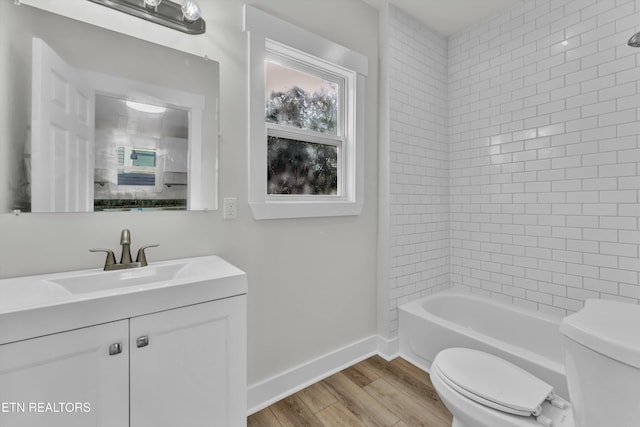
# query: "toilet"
[[602, 359]]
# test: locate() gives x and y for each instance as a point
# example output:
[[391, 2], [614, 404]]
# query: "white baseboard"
[[273, 389], [388, 349], [420, 364]]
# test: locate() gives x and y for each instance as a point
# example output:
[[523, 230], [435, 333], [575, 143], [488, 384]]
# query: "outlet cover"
[[230, 208]]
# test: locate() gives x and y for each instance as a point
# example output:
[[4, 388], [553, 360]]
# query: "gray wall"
[[311, 281]]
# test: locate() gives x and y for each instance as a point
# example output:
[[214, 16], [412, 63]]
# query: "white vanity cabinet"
[[188, 366], [179, 367], [157, 346], [66, 379]]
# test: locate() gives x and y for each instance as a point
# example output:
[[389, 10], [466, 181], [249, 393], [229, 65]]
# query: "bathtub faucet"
[[125, 258]]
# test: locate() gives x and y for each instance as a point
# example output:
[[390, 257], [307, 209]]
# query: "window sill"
[[298, 209]]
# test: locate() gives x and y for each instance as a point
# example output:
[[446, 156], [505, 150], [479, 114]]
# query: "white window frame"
[[273, 38]]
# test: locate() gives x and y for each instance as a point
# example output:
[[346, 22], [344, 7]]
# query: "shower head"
[[634, 41]]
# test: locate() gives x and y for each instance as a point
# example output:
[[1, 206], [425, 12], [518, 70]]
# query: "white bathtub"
[[526, 338]]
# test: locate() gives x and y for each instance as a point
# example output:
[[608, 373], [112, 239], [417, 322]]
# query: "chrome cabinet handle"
[[142, 341], [115, 349]]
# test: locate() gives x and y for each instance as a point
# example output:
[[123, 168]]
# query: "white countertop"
[[33, 306]]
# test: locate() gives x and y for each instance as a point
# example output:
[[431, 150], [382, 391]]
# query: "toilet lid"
[[492, 381]]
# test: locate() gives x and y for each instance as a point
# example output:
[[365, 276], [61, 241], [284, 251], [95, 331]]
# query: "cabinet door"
[[66, 379], [190, 371]]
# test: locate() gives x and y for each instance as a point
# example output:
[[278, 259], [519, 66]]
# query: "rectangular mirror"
[[95, 120]]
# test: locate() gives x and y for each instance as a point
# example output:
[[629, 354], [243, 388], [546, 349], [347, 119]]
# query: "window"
[[304, 118], [306, 131]]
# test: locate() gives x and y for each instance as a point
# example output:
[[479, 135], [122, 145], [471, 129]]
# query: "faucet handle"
[[142, 258], [111, 258]]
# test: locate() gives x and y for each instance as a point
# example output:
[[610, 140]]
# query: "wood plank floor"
[[372, 393]]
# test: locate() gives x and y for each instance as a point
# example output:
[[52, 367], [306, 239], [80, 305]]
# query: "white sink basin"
[[16, 294], [112, 280], [32, 306]]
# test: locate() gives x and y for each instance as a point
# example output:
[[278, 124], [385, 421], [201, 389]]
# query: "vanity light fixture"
[[183, 17]]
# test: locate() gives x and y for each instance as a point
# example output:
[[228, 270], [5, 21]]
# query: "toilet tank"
[[602, 357]]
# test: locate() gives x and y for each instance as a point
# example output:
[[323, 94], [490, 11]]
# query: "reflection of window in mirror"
[[136, 167], [142, 151]]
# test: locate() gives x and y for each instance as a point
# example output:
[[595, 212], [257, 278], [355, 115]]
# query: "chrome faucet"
[[125, 258]]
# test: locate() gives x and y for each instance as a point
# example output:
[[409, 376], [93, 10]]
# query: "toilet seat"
[[491, 381]]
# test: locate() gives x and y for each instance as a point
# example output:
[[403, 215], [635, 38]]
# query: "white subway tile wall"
[[544, 119], [419, 205], [515, 156]]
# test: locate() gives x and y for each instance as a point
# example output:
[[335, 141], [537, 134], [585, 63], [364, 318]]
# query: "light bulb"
[[146, 108], [152, 3], [190, 10]]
